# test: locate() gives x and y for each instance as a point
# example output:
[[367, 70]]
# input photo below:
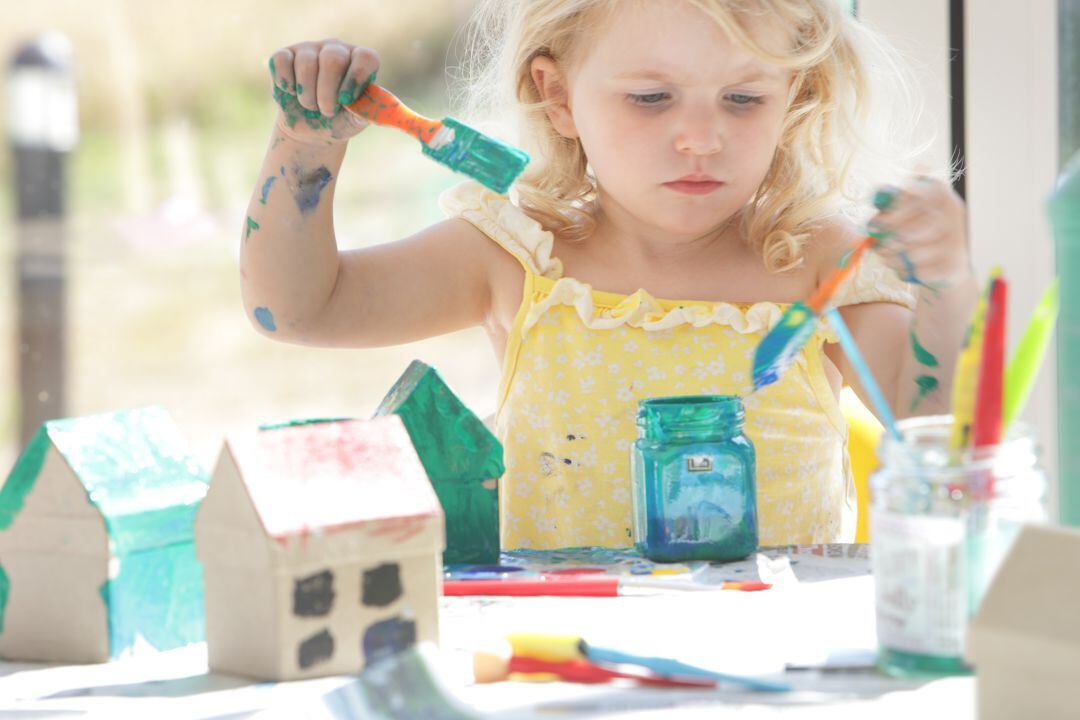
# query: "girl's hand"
[[925, 234], [312, 80]]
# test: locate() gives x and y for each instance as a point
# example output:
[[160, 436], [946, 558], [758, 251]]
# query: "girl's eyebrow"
[[753, 75]]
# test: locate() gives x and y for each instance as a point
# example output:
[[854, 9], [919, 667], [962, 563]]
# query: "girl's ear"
[[551, 84]]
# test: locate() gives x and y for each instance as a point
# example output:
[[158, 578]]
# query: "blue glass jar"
[[693, 477]]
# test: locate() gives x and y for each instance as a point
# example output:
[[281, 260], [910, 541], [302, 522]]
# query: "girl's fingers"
[[306, 66], [363, 63], [281, 70], [333, 62]]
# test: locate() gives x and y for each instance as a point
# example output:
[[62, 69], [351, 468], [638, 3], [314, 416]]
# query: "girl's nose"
[[699, 133]]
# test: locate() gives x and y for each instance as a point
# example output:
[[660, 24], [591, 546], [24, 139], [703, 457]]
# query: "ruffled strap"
[[642, 310], [874, 281], [505, 223]]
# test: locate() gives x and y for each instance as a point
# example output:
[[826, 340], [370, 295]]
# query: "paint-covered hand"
[[312, 80], [924, 233]]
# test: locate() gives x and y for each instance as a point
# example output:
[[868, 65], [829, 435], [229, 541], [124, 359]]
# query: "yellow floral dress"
[[578, 361]]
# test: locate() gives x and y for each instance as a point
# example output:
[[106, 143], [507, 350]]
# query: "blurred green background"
[[175, 113]]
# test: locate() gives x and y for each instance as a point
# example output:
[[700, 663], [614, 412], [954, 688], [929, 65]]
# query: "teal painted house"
[[97, 556], [463, 461]]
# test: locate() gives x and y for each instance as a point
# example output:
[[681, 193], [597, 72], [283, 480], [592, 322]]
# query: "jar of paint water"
[[940, 525], [693, 477]]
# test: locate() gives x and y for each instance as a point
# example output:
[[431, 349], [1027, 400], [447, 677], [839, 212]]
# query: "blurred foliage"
[[175, 114]]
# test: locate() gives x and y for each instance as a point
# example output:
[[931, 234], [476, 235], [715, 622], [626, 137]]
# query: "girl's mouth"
[[694, 187]]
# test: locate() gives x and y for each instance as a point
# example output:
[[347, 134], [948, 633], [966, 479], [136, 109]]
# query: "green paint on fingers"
[[352, 90], [294, 111], [251, 226]]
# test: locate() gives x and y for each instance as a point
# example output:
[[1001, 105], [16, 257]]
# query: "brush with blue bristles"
[[451, 142]]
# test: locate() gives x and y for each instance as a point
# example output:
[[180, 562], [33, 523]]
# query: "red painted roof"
[[335, 475]]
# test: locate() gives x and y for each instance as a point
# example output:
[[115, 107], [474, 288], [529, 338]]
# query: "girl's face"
[[678, 122]]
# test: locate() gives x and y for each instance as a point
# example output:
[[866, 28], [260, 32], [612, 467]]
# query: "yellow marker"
[[549, 648], [966, 375]]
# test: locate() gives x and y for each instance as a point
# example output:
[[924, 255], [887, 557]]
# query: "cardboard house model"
[[1025, 638], [321, 546], [96, 540], [462, 458]]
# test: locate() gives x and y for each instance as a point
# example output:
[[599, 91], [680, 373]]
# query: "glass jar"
[[939, 527], [693, 477]]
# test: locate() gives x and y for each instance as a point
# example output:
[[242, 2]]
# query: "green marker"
[[1026, 361]]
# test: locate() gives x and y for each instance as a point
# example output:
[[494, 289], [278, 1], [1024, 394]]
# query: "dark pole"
[[43, 130]]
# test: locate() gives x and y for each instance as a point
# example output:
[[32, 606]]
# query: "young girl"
[[692, 162]]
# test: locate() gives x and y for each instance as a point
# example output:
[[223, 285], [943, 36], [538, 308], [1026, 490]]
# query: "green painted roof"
[[452, 442], [135, 467]]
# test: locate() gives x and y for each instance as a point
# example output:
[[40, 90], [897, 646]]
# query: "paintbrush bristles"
[[488, 161]]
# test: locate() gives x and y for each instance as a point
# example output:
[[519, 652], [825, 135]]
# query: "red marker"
[[578, 586], [988, 398]]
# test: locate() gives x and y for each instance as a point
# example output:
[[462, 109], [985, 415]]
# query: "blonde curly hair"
[[849, 126]]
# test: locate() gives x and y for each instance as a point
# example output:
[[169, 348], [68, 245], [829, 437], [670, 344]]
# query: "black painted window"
[[381, 586], [313, 596], [316, 649]]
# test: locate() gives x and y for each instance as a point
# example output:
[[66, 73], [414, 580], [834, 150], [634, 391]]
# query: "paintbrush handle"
[[829, 285], [382, 107]]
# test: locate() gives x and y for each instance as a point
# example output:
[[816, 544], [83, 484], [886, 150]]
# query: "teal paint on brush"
[[777, 350], [449, 142], [488, 161]]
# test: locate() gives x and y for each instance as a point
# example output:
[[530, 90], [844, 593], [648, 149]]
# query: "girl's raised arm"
[[297, 286]]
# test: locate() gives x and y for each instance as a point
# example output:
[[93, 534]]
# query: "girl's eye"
[[742, 99], [649, 98]]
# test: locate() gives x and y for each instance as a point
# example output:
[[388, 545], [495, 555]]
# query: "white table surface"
[[820, 607]]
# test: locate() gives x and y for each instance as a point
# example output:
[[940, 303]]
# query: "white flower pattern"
[[567, 431]]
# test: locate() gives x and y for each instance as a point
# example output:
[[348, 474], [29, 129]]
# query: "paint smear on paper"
[[309, 188], [265, 318]]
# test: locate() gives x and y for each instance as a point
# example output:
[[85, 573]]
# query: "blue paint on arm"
[[309, 187], [265, 318], [266, 188]]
